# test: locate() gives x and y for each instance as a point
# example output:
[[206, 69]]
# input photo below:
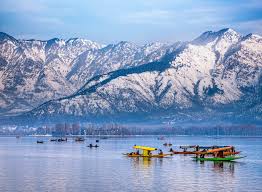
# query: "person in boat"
[[171, 150], [160, 152], [197, 148], [90, 145], [220, 154], [203, 155], [137, 152]]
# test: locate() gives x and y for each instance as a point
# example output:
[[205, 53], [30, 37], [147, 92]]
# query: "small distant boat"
[[62, 139], [53, 140], [79, 139], [91, 146], [40, 142], [167, 144], [97, 141]]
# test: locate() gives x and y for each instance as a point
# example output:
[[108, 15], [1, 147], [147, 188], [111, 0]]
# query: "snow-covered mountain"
[[216, 76], [34, 71]]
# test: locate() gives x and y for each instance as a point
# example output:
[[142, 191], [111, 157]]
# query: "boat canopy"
[[211, 147], [144, 148], [188, 146], [215, 150]]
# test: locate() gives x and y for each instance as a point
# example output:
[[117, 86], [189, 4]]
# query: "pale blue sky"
[[139, 21]]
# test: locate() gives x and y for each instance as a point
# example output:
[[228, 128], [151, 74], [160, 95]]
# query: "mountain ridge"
[[216, 73]]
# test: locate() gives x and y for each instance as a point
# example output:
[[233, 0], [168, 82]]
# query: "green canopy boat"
[[229, 158]]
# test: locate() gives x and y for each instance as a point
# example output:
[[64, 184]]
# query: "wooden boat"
[[167, 144], [218, 154], [146, 152], [62, 139], [229, 158], [79, 139], [91, 146], [227, 150]]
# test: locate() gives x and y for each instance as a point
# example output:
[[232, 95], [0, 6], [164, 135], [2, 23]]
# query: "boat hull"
[[151, 156], [231, 158]]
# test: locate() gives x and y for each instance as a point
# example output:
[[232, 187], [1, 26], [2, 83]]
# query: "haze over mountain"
[[216, 77]]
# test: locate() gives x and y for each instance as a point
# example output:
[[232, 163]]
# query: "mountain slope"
[[216, 76], [34, 71]]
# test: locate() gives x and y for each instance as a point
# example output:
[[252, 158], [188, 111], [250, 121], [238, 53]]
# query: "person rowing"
[[171, 150], [160, 152], [203, 155]]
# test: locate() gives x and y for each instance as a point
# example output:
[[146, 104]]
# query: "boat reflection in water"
[[221, 166]]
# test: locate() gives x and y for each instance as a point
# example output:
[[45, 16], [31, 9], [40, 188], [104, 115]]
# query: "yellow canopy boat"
[[146, 152]]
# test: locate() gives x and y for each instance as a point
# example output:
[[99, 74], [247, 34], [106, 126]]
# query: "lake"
[[71, 166]]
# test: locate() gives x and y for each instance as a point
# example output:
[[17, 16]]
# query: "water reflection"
[[219, 166], [139, 162], [26, 166]]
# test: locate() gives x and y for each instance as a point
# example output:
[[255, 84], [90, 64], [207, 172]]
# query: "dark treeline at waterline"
[[63, 129]]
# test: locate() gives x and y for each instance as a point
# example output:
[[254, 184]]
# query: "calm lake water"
[[27, 166]]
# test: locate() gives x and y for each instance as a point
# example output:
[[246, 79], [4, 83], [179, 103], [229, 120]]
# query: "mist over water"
[[71, 166]]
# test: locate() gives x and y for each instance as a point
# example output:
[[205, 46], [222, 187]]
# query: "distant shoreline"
[[108, 136]]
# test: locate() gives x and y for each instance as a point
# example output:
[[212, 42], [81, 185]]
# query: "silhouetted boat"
[[40, 142], [91, 146], [79, 139], [62, 139]]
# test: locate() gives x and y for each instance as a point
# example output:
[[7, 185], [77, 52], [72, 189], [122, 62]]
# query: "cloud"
[[22, 6], [253, 26], [149, 17], [48, 20]]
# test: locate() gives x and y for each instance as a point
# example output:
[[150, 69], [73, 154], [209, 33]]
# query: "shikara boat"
[[227, 150], [146, 152], [219, 154]]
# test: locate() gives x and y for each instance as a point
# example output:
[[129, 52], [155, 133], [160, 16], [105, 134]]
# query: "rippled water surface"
[[27, 166]]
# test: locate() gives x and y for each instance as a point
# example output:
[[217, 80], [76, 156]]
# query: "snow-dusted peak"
[[210, 36], [4, 36], [83, 42], [253, 37], [126, 45]]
